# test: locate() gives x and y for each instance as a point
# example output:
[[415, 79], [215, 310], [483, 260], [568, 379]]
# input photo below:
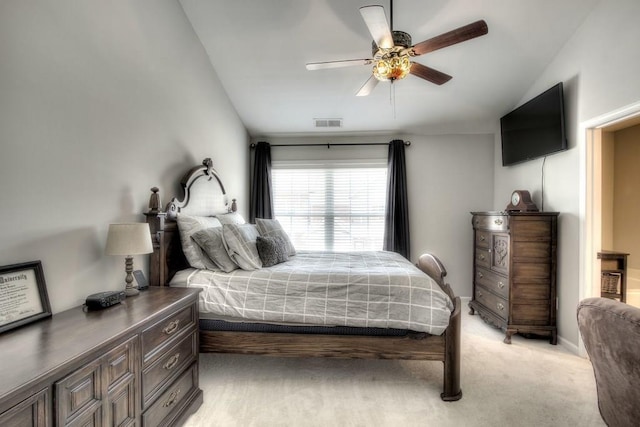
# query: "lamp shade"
[[129, 239]]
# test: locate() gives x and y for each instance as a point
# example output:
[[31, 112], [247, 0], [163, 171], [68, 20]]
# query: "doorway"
[[598, 217]]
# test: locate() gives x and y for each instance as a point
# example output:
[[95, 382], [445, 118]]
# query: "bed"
[[408, 312]]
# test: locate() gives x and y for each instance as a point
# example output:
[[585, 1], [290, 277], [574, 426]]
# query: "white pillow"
[[211, 242], [231, 218], [272, 228], [187, 225], [240, 241]]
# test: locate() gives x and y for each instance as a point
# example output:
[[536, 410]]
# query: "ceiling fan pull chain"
[[392, 98]]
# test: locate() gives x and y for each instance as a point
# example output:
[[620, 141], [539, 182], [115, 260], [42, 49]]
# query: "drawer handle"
[[498, 221], [482, 257], [480, 275], [500, 306], [171, 327], [172, 362], [501, 285], [479, 293], [482, 238], [173, 398]]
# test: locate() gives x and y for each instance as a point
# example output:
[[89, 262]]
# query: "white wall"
[[99, 101], [448, 176], [599, 67]]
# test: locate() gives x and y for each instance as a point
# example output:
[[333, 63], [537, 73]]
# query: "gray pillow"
[[211, 242], [272, 250], [272, 228], [188, 225], [240, 241]]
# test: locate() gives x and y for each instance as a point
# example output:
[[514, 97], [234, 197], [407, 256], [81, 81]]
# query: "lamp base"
[[130, 292]]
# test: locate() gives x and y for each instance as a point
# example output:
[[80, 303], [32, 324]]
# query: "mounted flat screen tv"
[[535, 129]]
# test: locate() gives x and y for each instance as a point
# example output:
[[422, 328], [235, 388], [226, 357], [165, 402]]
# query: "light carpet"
[[527, 383]]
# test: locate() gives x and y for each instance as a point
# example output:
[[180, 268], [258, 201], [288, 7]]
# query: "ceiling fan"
[[392, 50]]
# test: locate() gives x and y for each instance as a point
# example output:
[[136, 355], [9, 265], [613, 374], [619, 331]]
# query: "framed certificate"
[[23, 295]]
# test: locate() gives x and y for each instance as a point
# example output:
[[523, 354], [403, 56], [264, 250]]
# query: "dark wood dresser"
[[133, 364], [514, 271]]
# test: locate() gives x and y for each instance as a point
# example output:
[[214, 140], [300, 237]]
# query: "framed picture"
[[23, 295]]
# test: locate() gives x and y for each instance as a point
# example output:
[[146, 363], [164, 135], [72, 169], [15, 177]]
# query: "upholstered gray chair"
[[611, 333]]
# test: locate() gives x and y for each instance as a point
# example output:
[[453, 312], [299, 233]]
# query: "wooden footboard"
[[444, 348]]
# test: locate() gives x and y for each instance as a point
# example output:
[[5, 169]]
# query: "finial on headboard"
[[208, 163], [154, 200]]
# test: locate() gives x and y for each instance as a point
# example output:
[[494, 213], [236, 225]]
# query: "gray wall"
[[99, 101], [598, 66], [448, 176]]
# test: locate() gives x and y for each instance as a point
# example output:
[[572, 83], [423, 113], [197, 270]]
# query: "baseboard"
[[569, 346]]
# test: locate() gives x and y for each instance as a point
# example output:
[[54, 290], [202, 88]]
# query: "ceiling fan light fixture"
[[393, 67]]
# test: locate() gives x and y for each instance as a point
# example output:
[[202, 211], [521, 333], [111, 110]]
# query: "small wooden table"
[[613, 269]]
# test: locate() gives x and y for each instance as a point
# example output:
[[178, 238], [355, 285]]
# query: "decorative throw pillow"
[[240, 241], [272, 250], [187, 225], [231, 218], [272, 228], [211, 242]]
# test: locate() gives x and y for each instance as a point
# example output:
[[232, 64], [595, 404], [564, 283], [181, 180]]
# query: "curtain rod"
[[328, 144]]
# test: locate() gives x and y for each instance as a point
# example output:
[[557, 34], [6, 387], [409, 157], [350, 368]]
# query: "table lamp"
[[128, 240]]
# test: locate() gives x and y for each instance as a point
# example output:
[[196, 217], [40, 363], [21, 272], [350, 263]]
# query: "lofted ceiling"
[[259, 49]]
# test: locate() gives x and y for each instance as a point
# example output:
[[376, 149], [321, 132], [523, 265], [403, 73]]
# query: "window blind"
[[337, 206]]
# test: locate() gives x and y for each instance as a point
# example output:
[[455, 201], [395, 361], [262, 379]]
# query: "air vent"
[[328, 123]]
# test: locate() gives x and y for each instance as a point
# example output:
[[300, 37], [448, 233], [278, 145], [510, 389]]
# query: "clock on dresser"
[[521, 202]]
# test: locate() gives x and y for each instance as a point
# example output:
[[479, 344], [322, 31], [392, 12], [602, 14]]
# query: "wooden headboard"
[[203, 195]]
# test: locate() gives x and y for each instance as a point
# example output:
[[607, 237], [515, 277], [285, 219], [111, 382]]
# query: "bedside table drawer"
[[172, 398], [163, 331], [171, 363]]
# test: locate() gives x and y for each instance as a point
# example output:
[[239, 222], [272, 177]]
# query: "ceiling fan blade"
[[368, 86], [376, 21], [337, 64], [467, 32], [429, 74]]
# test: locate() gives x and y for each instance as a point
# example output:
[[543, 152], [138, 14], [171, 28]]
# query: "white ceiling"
[[259, 49]]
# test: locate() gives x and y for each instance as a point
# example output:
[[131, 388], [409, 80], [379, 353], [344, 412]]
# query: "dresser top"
[[515, 213], [41, 348]]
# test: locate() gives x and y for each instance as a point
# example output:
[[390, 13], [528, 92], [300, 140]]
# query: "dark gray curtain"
[[396, 227], [261, 192]]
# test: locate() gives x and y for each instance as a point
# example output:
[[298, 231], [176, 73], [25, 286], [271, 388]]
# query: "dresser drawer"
[[172, 362], [494, 282], [499, 306], [491, 222], [483, 239], [483, 258], [171, 398], [163, 331]]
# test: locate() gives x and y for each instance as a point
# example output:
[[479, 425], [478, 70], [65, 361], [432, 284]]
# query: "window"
[[337, 207]]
